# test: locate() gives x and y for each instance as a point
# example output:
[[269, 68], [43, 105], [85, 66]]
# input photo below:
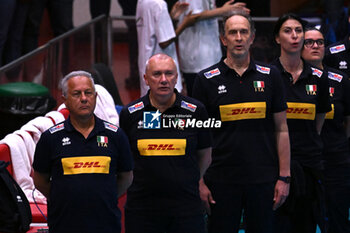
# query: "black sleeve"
[[346, 96], [42, 154], [199, 90], [323, 102], [279, 99], [123, 118], [330, 60], [204, 134], [327, 60], [125, 159]]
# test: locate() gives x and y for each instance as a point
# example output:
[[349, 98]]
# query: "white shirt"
[[199, 45], [154, 26]]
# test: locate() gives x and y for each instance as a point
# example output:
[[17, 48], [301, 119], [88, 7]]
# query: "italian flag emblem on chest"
[[102, 141], [259, 86], [311, 89]]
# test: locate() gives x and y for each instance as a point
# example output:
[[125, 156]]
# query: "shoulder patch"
[[110, 126], [335, 76], [212, 73], [56, 128], [337, 48], [263, 69], [317, 72], [136, 107], [188, 106]]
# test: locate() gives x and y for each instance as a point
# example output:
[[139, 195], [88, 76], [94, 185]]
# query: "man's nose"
[[83, 97], [238, 36], [163, 78]]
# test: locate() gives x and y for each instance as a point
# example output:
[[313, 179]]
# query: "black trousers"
[[337, 187], [150, 223], [231, 199], [304, 208]]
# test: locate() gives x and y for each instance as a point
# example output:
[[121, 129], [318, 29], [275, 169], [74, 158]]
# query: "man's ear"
[[223, 40], [252, 39], [145, 78]]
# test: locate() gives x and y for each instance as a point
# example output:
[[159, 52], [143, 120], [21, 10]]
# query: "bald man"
[[171, 153]]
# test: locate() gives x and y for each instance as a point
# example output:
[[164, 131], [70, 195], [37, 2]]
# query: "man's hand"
[[281, 194], [178, 9], [229, 6], [190, 19], [205, 195]]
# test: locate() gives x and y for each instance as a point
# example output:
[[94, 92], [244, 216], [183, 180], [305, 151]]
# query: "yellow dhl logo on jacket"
[[243, 111], [86, 165], [330, 114], [257, 110], [161, 147], [301, 111]]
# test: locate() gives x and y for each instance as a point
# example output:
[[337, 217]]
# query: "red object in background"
[[5, 156], [37, 216]]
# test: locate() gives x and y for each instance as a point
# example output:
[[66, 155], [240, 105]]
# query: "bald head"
[[161, 75], [159, 57]]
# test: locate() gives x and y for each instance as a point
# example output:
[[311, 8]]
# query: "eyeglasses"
[[309, 43]]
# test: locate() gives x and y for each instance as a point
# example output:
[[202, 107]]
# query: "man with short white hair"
[[83, 164]]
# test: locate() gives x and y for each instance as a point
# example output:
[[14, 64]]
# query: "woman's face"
[[291, 36], [313, 50]]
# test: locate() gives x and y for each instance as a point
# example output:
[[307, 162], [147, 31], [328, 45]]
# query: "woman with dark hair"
[[335, 134], [308, 102]]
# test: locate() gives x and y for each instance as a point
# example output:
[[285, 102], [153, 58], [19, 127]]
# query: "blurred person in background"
[[12, 17], [156, 33], [199, 45], [102, 7], [335, 25], [259, 8], [337, 55], [335, 133], [61, 20]]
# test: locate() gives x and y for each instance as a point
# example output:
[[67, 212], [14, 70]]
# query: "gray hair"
[[72, 74], [240, 13]]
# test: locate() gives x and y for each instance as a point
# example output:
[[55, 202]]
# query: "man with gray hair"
[[83, 164], [251, 156]]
